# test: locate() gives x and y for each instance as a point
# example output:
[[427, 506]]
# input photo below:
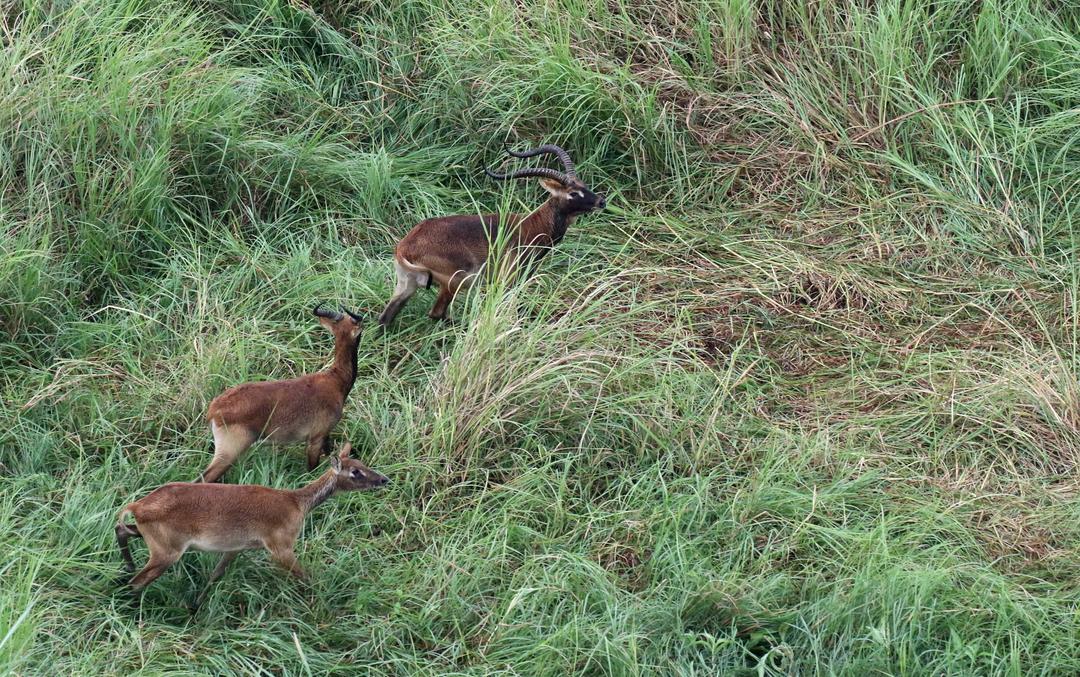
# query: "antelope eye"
[[354, 473]]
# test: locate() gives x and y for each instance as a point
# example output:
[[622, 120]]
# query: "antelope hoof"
[[387, 316], [132, 596]]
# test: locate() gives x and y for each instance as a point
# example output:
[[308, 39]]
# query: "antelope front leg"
[[316, 447], [287, 560]]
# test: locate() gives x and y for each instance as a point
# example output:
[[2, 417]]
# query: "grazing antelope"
[[228, 518], [302, 409], [452, 249]]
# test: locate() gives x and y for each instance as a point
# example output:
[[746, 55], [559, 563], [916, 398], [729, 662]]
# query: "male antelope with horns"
[[452, 249], [302, 409]]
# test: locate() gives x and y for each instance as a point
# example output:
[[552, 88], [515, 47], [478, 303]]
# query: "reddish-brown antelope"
[[303, 409], [452, 249], [228, 518]]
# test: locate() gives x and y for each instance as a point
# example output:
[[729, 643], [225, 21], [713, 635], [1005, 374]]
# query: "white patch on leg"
[[218, 434], [407, 283], [421, 276]]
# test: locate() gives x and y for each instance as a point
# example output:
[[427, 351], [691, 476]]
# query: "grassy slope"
[[804, 401]]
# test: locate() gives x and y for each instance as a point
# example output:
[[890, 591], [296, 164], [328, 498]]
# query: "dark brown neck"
[[548, 222], [344, 367], [310, 496]]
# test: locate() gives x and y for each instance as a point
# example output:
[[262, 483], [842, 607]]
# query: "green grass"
[[805, 400]]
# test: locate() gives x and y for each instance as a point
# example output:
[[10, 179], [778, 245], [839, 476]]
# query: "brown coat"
[[229, 518], [451, 250], [303, 409]]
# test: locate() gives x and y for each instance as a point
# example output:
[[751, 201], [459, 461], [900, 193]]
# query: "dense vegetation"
[[805, 399]]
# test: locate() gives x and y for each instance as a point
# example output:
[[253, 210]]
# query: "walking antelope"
[[302, 409], [228, 518], [451, 249]]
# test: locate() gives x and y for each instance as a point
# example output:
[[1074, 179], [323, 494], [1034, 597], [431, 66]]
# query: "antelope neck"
[[313, 494], [549, 218], [345, 361]]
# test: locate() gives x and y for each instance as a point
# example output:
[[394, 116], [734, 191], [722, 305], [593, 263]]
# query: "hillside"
[[805, 399]]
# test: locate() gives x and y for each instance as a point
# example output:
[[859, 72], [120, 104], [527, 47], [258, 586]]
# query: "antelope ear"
[[335, 463], [554, 187], [345, 451]]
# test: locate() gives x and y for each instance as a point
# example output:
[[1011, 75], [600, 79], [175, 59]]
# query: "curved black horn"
[[319, 311], [356, 318], [547, 149], [531, 171]]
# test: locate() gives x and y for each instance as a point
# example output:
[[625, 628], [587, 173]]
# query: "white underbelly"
[[223, 545]]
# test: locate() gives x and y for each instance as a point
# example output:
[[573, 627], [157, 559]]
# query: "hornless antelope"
[[452, 249], [294, 410], [228, 518]]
